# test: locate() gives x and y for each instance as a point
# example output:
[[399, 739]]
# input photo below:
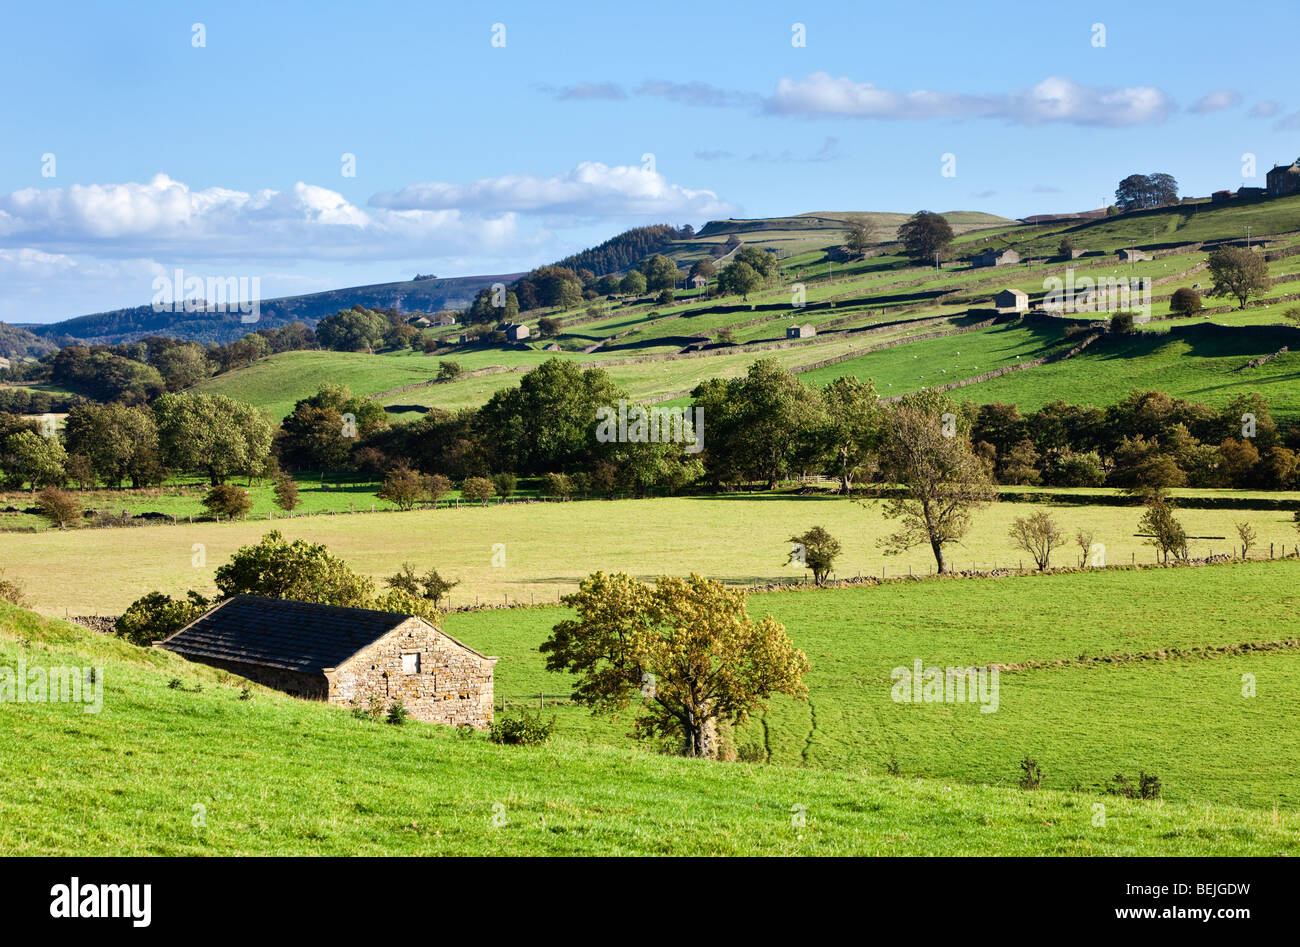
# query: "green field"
[[549, 547], [1183, 718], [1204, 369], [129, 779], [273, 775]]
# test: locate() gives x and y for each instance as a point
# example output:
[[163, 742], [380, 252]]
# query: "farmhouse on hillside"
[[1011, 300], [516, 332], [699, 282], [348, 656], [996, 258], [444, 319], [1283, 179], [805, 331]]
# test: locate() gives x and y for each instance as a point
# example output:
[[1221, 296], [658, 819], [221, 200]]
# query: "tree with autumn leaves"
[[686, 647]]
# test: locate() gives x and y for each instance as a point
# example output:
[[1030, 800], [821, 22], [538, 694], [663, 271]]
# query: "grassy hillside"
[[843, 297], [195, 769], [1088, 711], [1205, 369], [1183, 223]]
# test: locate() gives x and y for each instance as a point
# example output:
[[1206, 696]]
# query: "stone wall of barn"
[[452, 684]]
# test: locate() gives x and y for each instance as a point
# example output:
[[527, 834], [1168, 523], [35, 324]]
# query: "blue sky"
[[225, 159]]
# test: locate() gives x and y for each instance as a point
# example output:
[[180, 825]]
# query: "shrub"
[[477, 490], [448, 371], [505, 484], [397, 713], [1185, 301], [286, 493], [11, 592], [557, 485], [525, 729], [406, 487], [1121, 323], [58, 506], [226, 499], [372, 712], [1031, 777], [154, 616], [1148, 786]]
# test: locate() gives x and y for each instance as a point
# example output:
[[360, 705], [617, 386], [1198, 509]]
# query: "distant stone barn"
[[805, 331], [1011, 300], [344, 656], [996, 258]]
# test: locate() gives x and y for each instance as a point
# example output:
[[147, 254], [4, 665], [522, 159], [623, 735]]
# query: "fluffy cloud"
[[1265, 109], [1217, 101], [592, 189], [1055, 99], [164, 217]]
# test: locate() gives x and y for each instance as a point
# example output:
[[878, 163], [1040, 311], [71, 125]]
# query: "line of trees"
[[116, 444]]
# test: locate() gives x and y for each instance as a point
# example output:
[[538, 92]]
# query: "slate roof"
[[273, 632]]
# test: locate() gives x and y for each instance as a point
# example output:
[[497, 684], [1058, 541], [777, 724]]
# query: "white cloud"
[[1055, 99], [164, 217], [1217, 101], [1265, 109], [590, 190]]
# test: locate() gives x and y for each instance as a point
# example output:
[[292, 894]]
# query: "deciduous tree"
[[686, 646]]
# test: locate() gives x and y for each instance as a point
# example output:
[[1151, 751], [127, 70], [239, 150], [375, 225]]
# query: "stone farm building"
[[516, 332], [805, 331], [346, 656], [1011, 300], [1133, 256], [996, 258], [1284, 179]]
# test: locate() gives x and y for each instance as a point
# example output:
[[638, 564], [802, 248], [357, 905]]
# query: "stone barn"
[[996, 258], [1011, 300], [805, 331], [344, 656], [1133, 256]]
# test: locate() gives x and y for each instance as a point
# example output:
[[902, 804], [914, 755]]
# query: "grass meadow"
[[198, 769], [547, 548], [1118, 686]]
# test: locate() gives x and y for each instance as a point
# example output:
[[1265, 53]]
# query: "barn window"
[[411, 662]]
